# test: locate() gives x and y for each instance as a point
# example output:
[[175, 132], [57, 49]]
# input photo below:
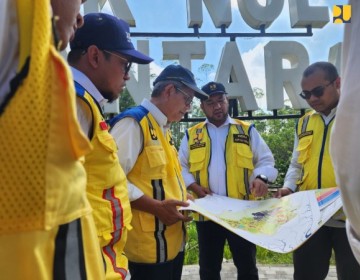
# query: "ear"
[[168, 90], [93, 56], [202, 105], [338, 82]]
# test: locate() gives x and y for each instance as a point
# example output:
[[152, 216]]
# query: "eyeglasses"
[[127, 63], [317, 92], [188, 98]]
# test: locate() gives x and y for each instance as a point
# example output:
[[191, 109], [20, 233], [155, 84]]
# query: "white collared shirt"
[[84, 118], [262, 157]]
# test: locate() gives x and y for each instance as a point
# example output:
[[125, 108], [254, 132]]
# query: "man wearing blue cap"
[[155, 246], [101, 56], [227, 157]]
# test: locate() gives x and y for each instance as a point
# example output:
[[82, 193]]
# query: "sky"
[[170, 16]]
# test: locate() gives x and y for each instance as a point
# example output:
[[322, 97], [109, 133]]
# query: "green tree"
[[206, 69], [126, 101], [279, 136]]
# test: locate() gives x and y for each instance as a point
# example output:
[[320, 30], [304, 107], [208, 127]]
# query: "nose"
[[127, 76], [79, 21], [217, 105]]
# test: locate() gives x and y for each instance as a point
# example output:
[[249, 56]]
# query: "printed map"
[[280, 225]]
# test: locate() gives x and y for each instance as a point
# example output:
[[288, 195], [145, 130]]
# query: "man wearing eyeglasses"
[[147, 153], [101, 56], [311, 168], [227, 157]]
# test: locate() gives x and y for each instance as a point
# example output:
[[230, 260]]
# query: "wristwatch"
[[262, 178]]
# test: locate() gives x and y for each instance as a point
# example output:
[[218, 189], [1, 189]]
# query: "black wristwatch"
[[263, 178]]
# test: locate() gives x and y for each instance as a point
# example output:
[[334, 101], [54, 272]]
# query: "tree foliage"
[[126, 101], [279, 136]]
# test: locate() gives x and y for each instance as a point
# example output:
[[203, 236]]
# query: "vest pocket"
[[103, 220], [147, 222], [304, 148], [196, 160], [244, 158], [107, 141], [156, 160]]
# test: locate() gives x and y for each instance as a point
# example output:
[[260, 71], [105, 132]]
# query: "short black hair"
[[328, 68]]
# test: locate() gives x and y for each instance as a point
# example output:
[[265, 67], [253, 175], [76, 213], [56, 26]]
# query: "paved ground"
[[266, 272]]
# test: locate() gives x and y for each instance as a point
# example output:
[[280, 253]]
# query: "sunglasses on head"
[[317, 92]]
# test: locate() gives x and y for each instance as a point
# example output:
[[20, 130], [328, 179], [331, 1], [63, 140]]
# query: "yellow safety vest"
[[106, 181], [238, 157], [317, 171], [314, 157], [157, 173], [42, 180]]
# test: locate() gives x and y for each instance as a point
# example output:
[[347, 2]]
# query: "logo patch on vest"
[[198, 139], [241, 138], [153, 133], [306, 133], [171, 141], [103, 125], [197, 145]]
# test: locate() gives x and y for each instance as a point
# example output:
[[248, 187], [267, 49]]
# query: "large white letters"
[[231, 70]]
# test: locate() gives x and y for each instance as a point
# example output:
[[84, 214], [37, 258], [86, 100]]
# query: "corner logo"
[[342, 14]]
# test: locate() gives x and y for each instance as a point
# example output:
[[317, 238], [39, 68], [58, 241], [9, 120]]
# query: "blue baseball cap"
[[109, 33], [183, 75], [214, 88]]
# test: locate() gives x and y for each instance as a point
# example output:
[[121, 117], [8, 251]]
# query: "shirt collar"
[[159, 116], [88, 85]]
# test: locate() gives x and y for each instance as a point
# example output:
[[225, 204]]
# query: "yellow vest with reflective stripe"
[[106, 181], [314, 157], [238, 156], [157, 173], [42, 181]]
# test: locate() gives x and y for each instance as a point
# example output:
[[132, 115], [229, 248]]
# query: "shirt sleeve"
[[129, 139], [294, 170], [184, 161], [263, 158]]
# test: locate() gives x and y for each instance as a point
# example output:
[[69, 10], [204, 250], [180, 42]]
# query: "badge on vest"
[[153, 133], [241, 138], [197, 145], [103, 125], [198, 139]]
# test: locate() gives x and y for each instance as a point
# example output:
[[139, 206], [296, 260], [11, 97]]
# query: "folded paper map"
[[279, 225]]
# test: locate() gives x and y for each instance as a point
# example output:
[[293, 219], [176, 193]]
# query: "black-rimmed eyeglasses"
[[317, 92], [127, 63]]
